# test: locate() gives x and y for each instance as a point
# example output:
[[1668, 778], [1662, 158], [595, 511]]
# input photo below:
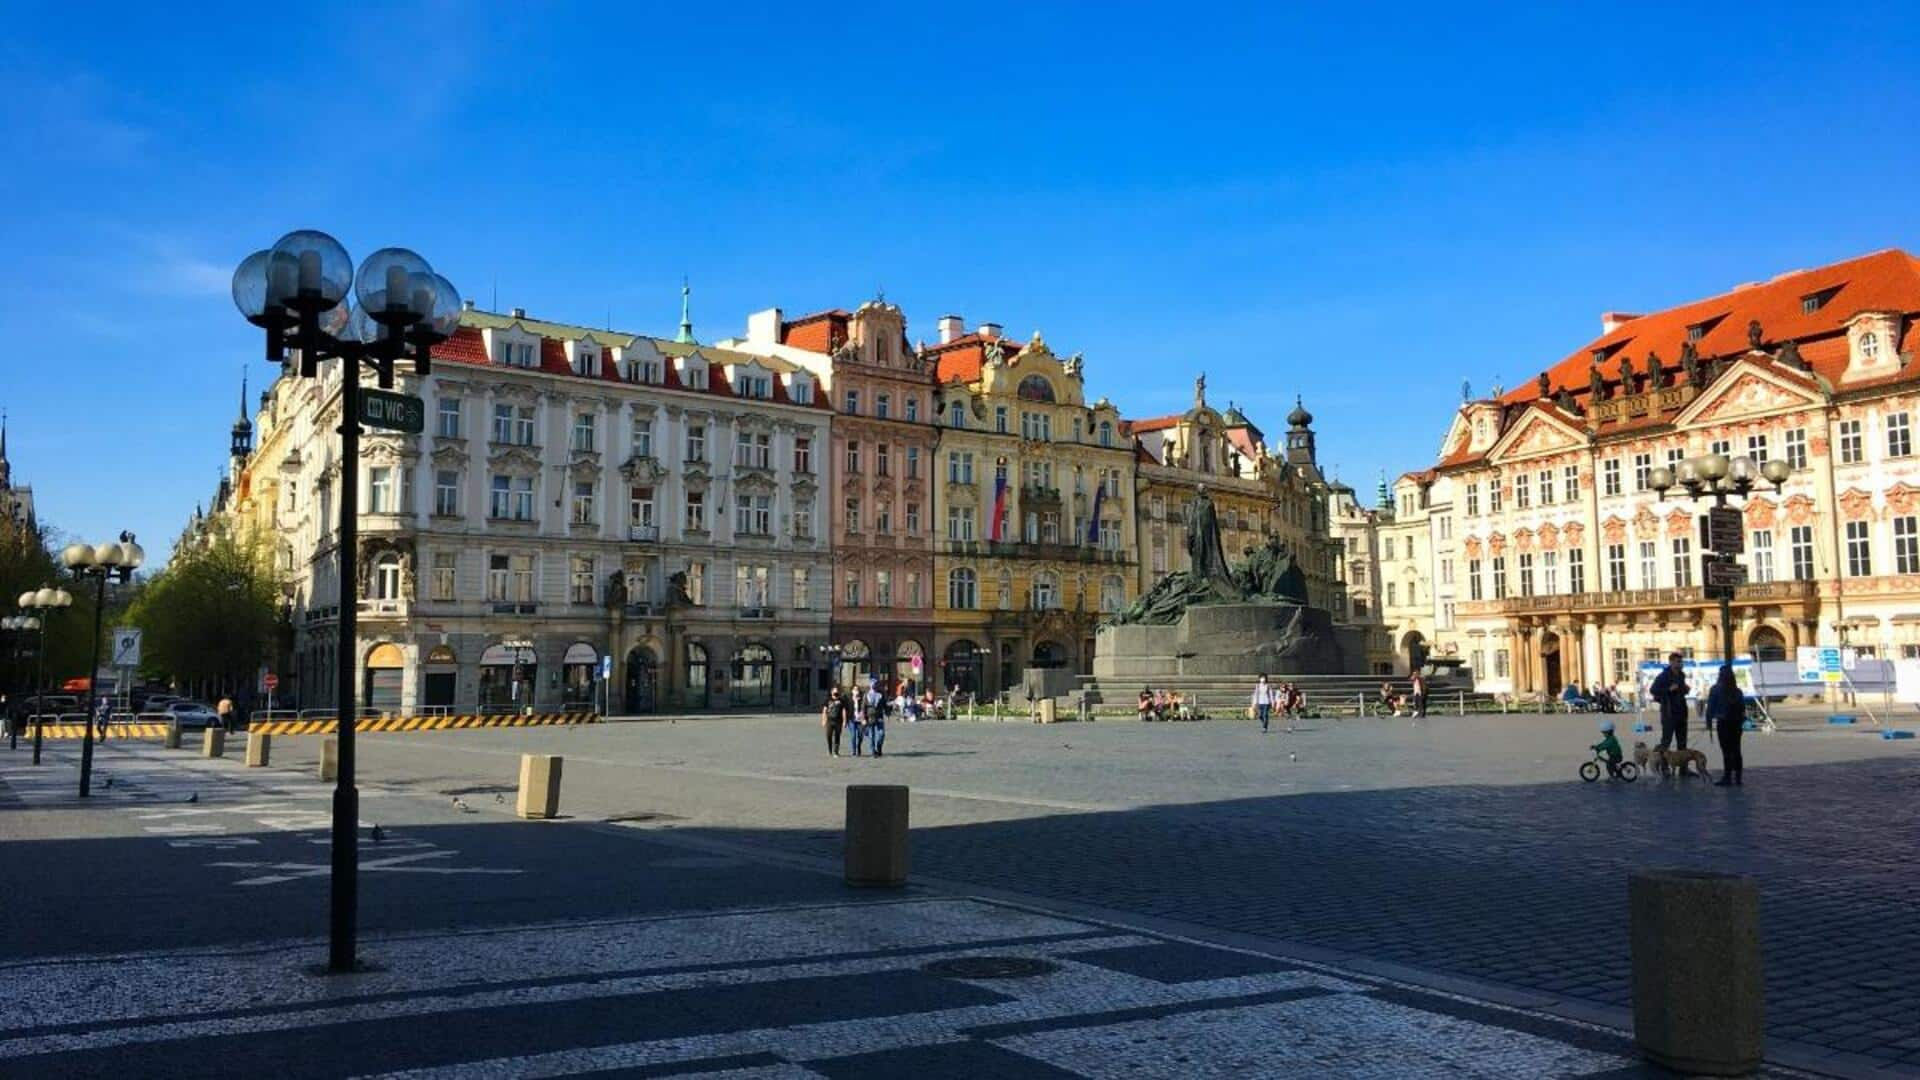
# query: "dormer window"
[[755, 385], [1869, 345], [644, 370], [514, 354], [800, 389], [957, 414], [586, 360], [1696, 332], [695, 376]]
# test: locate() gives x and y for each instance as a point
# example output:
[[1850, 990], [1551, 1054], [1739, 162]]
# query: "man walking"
[[834, 717], [1263, 702], [1669, 691], [225, 709]]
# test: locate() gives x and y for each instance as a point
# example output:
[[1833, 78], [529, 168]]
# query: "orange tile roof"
[[818, 332], [961, 359], [1151, 423], [1883, 281]]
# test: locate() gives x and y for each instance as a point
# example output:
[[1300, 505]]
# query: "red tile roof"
[[1151, 423], [818, 332], [961, 359], [1883, 281]]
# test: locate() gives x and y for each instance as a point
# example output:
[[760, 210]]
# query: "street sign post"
[[126, 647], [1722, 576], [1724, 530], [393, 412]]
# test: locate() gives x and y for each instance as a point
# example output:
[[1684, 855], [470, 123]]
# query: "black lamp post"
[[19, 626], [99, 561], [1716, 476], [44, 602], [297, 291]]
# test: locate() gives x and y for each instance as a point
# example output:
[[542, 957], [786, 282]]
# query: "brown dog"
[[1669, 760]]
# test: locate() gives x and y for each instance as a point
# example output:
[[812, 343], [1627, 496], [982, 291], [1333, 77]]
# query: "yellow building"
[[1034, 498]]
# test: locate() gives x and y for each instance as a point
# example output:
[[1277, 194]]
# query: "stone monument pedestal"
[[1239, 640]]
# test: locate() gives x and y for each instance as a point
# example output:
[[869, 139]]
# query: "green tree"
[[28, 561], [210, 616]]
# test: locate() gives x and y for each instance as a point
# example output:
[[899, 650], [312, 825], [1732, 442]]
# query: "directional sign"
[[394, 412], [1726, 531], [1722, 576], [126, 647]]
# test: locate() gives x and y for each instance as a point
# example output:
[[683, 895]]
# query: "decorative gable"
[[1873, 345], [1537, 434], [1748, 391]]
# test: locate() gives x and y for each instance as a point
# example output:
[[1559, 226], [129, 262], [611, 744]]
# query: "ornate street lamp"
[[298, 292], [44, 602], [19, 626], [99, 561], [1717, 477]]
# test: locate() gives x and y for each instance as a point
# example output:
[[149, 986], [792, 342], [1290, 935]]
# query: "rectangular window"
[[1649, 565], [852, 403], [912, 405], [497, 577], [1859, 549], [957, 414], [853, 457], [882, 460], [1852, 446], [751, 587], [883, 588], [1393, 594], [503, 423], [1473, 500], [1682, 562], [1723, 447], [583, 503], [501, 503], [1570, 483], [1610, 476], [522, 585], [1526, 574], [1576, 571], [1797, 448], [1800, 545], [1550, 572], [1757, 448], [960, 467], [1523, 490], [1473, 579], [1546, 487], [1899, 436], [696, 511], [380, 490], [1642, 471], [803, 520], [850, 589], [803, 455], [1675, 455], [697, 442], [449, 418], [640, 510], [1906, 545], [1616, 567], [883, 519], [1000, 419], [697, 582], [851, 515], [883, 408], [753, 515], [913, 519], [914, 599], [1760, 555], [580, 579], [1499, 577], [960, 523], [1502, 664], [1493, 497], [913, 463], [1622, 666], [445, 574], [523, 425], [446, 492], [583, 432], [643, 436], [802, 588]]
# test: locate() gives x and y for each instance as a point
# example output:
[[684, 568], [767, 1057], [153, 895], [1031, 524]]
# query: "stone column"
[[1522, 660]]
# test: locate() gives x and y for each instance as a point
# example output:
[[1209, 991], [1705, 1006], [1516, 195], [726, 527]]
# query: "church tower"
[[242, 427], [1300, 450]]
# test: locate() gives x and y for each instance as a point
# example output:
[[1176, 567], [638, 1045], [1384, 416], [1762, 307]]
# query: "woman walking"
[[1264, 699], [834, 717], [1727, 711]]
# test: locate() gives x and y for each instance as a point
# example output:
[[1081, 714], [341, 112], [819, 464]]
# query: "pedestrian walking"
[[1669, 691], [1419, 695], [1727, 711], [833, 718], [877, 725], [1264, 699], [225, 710]]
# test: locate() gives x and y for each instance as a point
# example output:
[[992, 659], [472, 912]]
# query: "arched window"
[[961, 589], [1035, 388], [1106, 433], [1005, 597], [1869, 345], [753, 675]]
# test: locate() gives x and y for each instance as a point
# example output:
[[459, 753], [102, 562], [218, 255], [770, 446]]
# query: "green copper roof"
[[685, 336]]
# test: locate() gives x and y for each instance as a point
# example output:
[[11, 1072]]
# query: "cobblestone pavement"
[[1460, 845]]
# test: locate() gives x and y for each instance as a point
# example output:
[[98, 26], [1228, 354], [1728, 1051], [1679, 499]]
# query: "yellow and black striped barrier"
[[421, 723], [114, 731]]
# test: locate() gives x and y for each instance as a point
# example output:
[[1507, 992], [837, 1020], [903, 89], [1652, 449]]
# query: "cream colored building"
[[1571, 567]]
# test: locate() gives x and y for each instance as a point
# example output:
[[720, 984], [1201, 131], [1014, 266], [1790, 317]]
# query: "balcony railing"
[[514, 607], [645, 534], [759, 612], [639, 608], [382, 607]]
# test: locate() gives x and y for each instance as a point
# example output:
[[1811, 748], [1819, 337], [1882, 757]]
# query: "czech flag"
[[1093, 524], [999, 507]]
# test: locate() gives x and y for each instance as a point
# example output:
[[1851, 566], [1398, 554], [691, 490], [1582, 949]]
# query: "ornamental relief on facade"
[[1497, 543], [1799, 509], [1902, 498], [1760, 513], [1614, 529], [1571, 534], [1749, 394], [1472, 547], [1856, 505], [1549, 537], [1646, 526], [1679, 524]]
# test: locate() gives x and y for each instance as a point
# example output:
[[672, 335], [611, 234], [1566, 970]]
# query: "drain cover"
[[991, 967]]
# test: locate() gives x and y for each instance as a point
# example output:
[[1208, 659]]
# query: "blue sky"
[[1361, 204]]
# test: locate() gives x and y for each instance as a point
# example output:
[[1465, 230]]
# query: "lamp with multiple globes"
[[43, 602], [1717, 476], [18, 627], [307, 295], [116, 560]]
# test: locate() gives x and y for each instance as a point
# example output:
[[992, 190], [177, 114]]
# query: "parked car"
[[193, 714]]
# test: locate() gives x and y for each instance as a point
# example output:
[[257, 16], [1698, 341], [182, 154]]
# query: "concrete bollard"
[[173, 734], [330, 758], [1697, 1004], [1049, 711], [539, 786], [876, 838], [259, 749], [214, 743]]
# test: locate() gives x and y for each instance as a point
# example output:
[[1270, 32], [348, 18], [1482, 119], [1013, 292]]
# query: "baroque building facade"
[[581, 501], [1033, 498], [881, 499], [1572, 567]]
